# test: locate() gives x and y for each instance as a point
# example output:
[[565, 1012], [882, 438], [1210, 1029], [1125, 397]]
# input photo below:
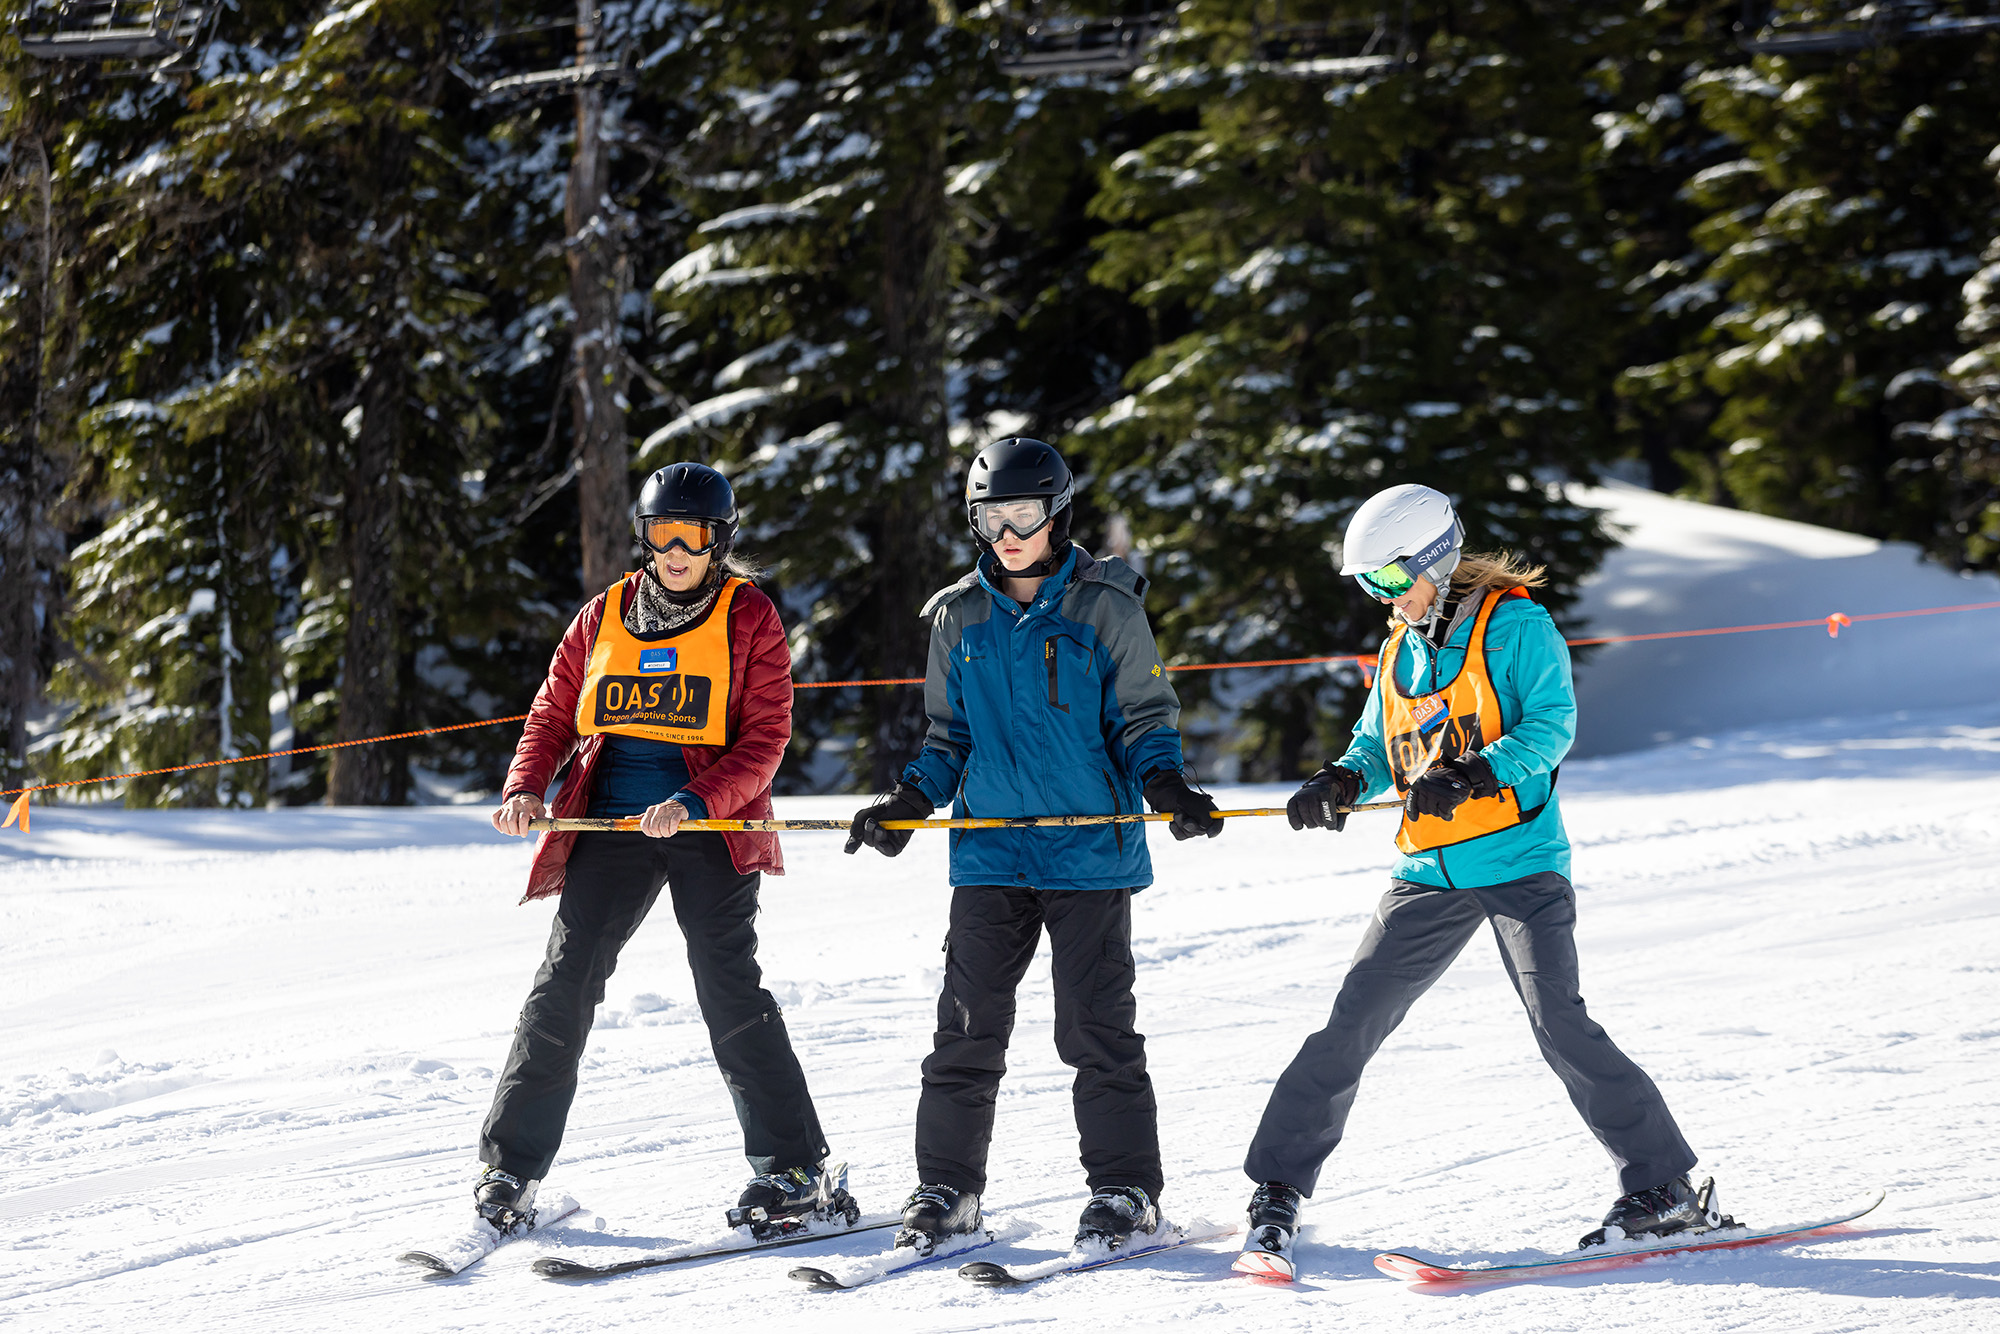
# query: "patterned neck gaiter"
[[660, 610]]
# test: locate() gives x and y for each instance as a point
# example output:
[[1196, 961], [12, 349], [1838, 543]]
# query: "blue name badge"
[[659, 659]]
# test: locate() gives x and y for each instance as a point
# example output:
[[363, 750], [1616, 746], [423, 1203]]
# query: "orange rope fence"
[[18, 811], [1832, 624]]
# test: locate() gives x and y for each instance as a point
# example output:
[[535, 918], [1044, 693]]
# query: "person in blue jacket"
[[1046, 696], [1470, 714]]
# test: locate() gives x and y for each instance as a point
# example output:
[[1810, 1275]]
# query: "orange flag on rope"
[[18, 812]]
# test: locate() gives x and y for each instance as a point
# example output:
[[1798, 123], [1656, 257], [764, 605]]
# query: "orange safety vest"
[[1422, 730], [673, 689]]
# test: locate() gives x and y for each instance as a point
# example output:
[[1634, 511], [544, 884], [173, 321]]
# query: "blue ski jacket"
[[1529, 664], [1059, 708]]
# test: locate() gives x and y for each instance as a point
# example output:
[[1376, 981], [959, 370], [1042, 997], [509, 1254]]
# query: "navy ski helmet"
[[1020, 469]]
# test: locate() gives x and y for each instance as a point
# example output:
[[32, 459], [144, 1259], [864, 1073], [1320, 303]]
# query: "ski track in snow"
[[247, 1056]]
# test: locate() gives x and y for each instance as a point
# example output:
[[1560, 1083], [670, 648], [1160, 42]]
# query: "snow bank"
[[1689, 566]]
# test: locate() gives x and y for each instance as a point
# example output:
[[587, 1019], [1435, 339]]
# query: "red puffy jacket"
[[733, 781]]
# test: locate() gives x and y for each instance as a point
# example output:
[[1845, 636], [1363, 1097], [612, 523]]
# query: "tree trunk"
[[365, 775], [908, 550], [30, 477], [596, 286], [21, 519]]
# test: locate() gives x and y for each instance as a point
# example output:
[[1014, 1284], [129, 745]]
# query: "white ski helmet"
[[1400, 535]]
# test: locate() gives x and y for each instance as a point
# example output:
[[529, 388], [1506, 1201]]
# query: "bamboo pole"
[[630, 823]]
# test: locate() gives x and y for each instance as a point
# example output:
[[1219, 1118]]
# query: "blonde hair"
[[1479, 571]]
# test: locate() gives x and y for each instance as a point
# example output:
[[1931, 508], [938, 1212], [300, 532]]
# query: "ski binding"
[[1613, 1254], [1091, 1256], [480, 1239]]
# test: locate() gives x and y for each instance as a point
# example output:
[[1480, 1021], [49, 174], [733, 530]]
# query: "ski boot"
[[933, 1213], [505, 1201], [1114, 1214], [784, 1204], [1274, 1228], [1661, 1211]]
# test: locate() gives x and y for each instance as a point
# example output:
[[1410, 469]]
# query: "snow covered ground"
[[243, 1060]]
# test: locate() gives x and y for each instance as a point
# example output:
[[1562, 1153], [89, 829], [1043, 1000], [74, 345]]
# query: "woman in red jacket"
[[673, 693]]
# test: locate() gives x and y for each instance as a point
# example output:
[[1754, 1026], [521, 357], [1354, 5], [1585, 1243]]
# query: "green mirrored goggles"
[[1388, 583]]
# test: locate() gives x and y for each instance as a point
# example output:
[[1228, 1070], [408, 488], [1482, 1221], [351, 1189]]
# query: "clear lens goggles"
[[1023, 518], [697, 537], [1388, 583]]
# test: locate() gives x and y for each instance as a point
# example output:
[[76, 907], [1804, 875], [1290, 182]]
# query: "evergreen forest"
[[336, 339]]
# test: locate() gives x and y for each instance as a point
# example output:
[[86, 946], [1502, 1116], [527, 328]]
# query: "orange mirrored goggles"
[[697, 537]]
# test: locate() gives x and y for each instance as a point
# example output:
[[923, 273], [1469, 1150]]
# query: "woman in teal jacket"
[[1471, 711]]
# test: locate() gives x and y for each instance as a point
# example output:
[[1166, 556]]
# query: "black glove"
[[1445, 786], [906, 802], [1477, 773], [1194, 812], [1316, 805]]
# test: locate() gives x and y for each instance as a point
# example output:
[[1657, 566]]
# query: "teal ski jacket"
[[1058, 708], [1529, 664]]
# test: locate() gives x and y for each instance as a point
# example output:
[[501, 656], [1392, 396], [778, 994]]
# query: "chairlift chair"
[[1046, 48], [117, 29], [1864, 26], [1333, 50], [542, 42], [565, 78]]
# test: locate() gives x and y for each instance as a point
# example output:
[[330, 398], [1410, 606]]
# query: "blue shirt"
[[634, 773]]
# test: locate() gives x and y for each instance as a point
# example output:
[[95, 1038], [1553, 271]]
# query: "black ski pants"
[[1418, 930], [992, 939], [610, 883]]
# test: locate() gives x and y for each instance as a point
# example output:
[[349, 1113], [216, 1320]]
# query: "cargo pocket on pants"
[[1111, 989]]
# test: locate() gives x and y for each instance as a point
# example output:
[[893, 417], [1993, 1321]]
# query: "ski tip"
[[1263, 1264], [1409, 1268], [987, 1275], [554, 1266], [424, 1260], [816, 1278]]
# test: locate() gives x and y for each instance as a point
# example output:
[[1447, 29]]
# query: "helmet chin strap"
[[711, 580], [1424, 622], [1041, 569], [1439, 576]]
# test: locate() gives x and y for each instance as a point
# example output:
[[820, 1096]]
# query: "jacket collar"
[[1074, 566]]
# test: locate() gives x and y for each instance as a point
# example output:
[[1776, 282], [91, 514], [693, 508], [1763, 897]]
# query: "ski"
[[899, 1260], [480, 1239], [1614, 1255], [557, 1266], [1267, 1253], [1085, 1258]]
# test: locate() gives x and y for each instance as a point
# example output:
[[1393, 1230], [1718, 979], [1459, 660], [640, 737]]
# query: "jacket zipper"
[[1117, 830], [1049, 656]]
